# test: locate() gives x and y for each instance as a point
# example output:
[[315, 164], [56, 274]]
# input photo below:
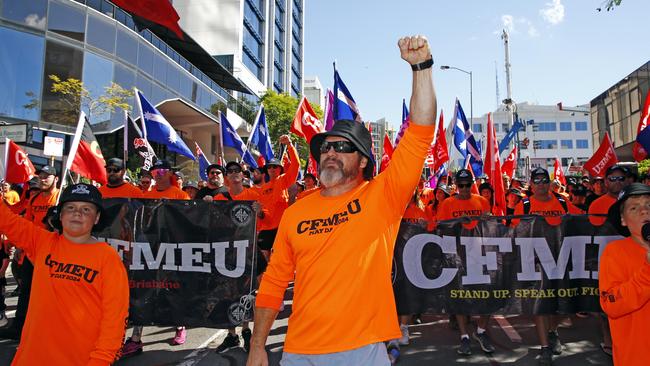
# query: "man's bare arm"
[[264, 318], [415, 50]]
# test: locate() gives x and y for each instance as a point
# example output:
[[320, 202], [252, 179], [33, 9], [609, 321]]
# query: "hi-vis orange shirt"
[[248, 194], [274, 193], [339, 251], [79, 300], [625, 297], [415, 215], [124, 190], [171, 193], [307, 192], [454, 208], [552, 210], [600, 206], [37, 207]]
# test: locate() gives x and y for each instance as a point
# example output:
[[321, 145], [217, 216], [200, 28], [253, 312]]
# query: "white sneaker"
[[405, 339], [3, 320]]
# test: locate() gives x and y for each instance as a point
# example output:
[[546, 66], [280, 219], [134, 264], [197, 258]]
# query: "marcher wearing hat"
[[615, 181], [216, 175], [311, 186], [624, 277], [467, 204], [80, 294], [116, 186], [191, 188], [343, 311], [180, 178], [597, 189], [165, 183]]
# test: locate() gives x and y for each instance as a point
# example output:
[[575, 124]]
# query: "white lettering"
[[412, 260], [220, 258], [190, 256], [475, 260]]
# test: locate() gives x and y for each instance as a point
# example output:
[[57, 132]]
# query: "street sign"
[[16, 132], [53, 146]]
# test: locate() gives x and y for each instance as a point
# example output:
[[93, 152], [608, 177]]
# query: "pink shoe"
[[131, 348], [180, 336]]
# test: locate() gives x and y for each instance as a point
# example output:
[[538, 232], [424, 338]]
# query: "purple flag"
[[405, 123], [329, 110]]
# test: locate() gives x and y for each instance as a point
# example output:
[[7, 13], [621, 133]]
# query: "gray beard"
[[330, 176]]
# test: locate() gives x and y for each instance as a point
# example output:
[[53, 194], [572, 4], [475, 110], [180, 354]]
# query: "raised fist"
[[285, 140], [414, 49]]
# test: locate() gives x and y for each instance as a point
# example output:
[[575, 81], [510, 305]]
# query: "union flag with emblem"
[[305, 123], [88, 160], [18, 167]]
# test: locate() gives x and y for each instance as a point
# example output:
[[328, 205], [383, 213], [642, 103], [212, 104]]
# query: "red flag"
[[510, 164], [85, 156], [18, 167], [557, 172], [387, 155], [260, 161], [602, 159], [312, 166], [638, 151], [439, 150], [305, 123], [158, 11], [492, 168]]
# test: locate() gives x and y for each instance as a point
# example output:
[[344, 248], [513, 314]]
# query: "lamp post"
[[471, 102]]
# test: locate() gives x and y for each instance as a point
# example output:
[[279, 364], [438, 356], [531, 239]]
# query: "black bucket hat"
[[356, 133], [82, 192], [273, 162], [614, 213]]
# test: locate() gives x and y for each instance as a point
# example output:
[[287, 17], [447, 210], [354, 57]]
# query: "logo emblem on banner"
[[241, 215], [239, 312]]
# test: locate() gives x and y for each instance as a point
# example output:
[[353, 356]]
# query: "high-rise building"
[[379, 129], [314, 91]]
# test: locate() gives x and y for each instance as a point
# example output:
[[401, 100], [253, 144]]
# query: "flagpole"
[[144, 125], [73, 149], [257, 121], [6, 157], [126, 136], [223, 156]]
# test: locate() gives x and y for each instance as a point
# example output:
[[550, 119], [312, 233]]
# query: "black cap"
[[464, 175], [215, 166], [485, 186], [82, 192], [179, 175], [116, 162], [190, 183], [50, 170], [356, 133], [614, 213], [161, 164], [312, 176], [275, 162], [34, 183], [445, 189], [614, 168], [539, 171], [233, 163]]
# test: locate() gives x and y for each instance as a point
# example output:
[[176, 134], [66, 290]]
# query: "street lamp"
[[471, 102]]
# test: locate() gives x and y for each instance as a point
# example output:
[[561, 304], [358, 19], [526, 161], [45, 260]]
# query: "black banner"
[[189, 263], [533, 268]]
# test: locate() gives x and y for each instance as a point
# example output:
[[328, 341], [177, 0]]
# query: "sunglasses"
[[215, 172], [113, 170], [465, 185], [618, 178], [541, 180], [159, 171], [345, 147], [233, 171]]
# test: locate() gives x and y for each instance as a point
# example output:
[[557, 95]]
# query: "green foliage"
[[644, 166], [610, 4]]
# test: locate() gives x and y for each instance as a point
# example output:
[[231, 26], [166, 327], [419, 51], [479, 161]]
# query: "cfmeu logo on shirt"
[[323, 226], [70, 271]]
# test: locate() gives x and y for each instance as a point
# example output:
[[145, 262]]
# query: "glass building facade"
[[253, 34], [296, 47]]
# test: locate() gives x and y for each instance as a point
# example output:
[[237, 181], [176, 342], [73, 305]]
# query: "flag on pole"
[[85, 157], [493, 169], [642, 143], [510, 164], [158, 11], [18, 167], [204, 163], [329, 110], [135, 145], [439, 149], [260, 137], [465, 142], [231, 138], [557, 172], [405, 123], [510, 135], [387, 154], [602, 159], [157, 129], [344, 105], [305, 123]]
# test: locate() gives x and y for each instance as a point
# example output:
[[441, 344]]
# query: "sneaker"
[[3, 319], [546, 357], [465, 349], [554, 342], [180, 336], [484, 341], [405, 339], [131, 348], [231, 341], [393, 352], [246, 335]]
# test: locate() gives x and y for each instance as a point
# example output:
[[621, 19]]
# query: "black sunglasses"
[[541, 180], [113, 170], [465, 185], [339, 147], [214, 172], [233, 170], [616, 178]]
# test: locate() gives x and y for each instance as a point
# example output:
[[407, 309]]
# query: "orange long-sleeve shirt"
[[600, 206], [552, 210], [125, 190], [274, 193], [79, 300], [340, 252], [625, 287]]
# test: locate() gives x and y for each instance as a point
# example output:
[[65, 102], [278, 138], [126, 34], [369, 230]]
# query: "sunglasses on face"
[[464, 185], [345, 147], [616, 178], [541, 180], [159, 171], [113, 170], [215, 172], [233, 170]]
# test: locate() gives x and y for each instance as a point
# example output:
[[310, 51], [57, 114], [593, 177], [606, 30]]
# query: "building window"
[[101, 33], [252, 65], [566, 144], [546, 126], [545, 144], [565, 126], [65, 62], [582, 144], [581, 126], [97, 76], [67, 20], [31, 13], [278, 77], [496, 127], [477, 127]]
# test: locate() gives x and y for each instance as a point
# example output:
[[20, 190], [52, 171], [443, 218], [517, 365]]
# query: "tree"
[[610, 4], [644, 166]]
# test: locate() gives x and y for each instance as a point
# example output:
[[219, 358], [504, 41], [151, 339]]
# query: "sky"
[[560, 50]]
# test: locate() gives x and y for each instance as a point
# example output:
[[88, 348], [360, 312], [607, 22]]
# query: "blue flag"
[[344, 105], [260, 136], [204, 163], [231, 138], [157, 129], [510, 135], [465, 142]]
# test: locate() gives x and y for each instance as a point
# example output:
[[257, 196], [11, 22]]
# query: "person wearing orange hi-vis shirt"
[[337, 244]]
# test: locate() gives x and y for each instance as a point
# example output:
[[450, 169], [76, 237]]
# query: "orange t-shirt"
[[12, 197], [275, 196], [37, 207], [124, 190], [600, 206], [248, 194], [552, 210], [79, 300], [307, 192], [427, 195], [454, 208], [171, 193], [625, 287], [414, 214], [339, 252]]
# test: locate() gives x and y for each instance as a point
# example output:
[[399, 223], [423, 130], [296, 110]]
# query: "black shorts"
[[265, 239]]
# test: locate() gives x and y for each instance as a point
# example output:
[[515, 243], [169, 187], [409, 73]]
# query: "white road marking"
[[510, 331], [201, 351]]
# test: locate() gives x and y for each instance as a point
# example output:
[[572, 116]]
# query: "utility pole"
[[496, 77], [510, 105]]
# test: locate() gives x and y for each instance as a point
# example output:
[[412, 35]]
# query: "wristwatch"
[[423, 65]]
